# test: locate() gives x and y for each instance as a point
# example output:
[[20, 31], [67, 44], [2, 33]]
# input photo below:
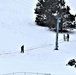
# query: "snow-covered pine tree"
[[45, 10], [69, 19]]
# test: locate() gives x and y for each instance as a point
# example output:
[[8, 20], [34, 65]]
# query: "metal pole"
[[57, 31]]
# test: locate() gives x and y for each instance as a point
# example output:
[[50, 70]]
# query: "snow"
[[17, 28]]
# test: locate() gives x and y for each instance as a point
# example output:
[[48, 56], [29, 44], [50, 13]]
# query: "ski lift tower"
[[57, 31]]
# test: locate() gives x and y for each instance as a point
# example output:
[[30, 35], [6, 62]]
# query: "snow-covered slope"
[[17, 28]]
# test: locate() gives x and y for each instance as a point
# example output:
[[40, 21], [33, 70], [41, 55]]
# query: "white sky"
[[72, 4]]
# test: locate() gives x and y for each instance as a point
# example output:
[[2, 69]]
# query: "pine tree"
[[69, 20], [45, 10]]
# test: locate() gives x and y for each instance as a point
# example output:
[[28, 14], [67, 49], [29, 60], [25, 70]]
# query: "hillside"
[[17, 28]]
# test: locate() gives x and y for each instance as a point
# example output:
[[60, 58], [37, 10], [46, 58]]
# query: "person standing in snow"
[[22, 49], [67, 37], [64, 37]]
